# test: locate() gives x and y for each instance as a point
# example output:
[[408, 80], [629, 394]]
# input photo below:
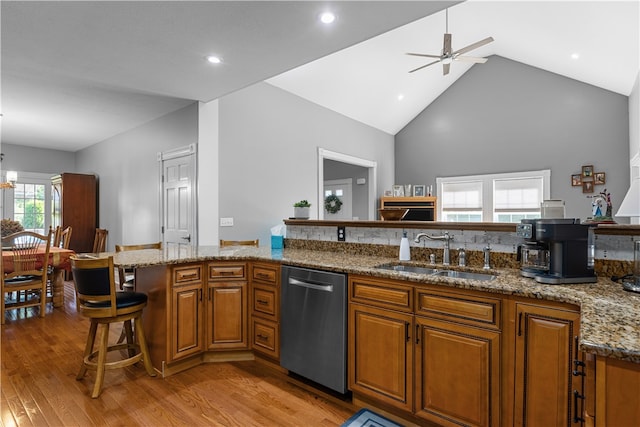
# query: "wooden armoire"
[[75, 204]]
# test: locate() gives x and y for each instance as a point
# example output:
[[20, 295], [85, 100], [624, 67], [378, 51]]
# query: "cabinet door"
[[457, 373], [381, 355], [186, 324], [227, 316], [544, 358]]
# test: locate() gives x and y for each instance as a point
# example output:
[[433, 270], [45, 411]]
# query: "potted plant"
[[301, 209]]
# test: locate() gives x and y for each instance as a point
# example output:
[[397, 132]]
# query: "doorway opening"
[[371, 179]]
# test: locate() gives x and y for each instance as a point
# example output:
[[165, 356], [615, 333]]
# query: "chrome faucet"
[[446, 238], [487, 257], [462, 257]]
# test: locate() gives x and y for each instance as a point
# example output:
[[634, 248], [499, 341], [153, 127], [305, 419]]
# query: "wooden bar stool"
[[98, 299]]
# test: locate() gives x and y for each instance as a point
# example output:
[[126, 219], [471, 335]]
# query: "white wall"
[[269, 143], [208, 179], [128, 176]]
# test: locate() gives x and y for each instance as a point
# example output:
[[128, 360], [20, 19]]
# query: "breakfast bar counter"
[[610, 316]]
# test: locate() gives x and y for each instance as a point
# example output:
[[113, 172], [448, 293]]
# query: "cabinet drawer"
[[266, 273], [187, 274], [226, 271], [381, 293], [469, 309], [264, 301], [265, 337]]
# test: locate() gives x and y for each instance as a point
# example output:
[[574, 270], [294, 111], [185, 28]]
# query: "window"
[[507, 197], [29, 202]]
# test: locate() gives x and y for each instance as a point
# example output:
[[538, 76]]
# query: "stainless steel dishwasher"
[[313, 326]]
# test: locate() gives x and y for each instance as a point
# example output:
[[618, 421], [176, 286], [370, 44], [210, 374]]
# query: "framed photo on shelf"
[[418, 190], [587, 172], [587, 186], [599, 178], [576, 180], [398, 191]]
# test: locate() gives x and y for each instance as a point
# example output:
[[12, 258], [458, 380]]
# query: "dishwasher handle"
[[310, 285]]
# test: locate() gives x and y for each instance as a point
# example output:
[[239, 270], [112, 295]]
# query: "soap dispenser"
[[405, 253]]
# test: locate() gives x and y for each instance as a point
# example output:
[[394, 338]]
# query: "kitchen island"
[[605, 316]]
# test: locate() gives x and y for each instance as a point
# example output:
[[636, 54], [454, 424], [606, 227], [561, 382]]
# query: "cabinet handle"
[[520, 324], [200, 294], [188, 276], [576, 416], [262, 337], [262, 275], [263, 302], [417, 334], [406, 331]]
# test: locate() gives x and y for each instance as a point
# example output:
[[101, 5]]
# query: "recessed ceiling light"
[[214, 59], [400, 97], [327, 18], [575, 55]]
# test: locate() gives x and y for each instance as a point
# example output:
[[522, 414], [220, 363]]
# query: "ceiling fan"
[[448, 55]]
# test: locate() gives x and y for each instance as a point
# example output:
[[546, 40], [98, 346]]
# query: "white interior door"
[[342, 189], [178, 198]]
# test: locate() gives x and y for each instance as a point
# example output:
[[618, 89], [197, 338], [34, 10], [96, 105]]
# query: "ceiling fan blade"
[[473, 59], [473, 46], [445, 69], [446, 47], [423, 54], [424, 66]]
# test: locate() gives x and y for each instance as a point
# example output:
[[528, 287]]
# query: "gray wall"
[[128, 177], [360, 193], [269, 143], [504, 116], [41, 160]]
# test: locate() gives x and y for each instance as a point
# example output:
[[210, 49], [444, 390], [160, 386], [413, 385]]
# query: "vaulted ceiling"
[[76, 73]]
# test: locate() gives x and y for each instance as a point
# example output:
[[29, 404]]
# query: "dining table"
[[59, 260]]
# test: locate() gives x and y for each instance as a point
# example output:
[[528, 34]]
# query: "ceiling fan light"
[[327, 18]]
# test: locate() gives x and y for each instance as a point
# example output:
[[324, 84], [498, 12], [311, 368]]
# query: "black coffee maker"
[[533, 255], [567, 241]]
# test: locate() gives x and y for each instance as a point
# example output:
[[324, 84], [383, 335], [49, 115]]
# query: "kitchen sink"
[[435, 272], [465, 275], [407, 268]]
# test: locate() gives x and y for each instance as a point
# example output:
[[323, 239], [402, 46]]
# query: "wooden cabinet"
[[612, 392], [75, 204], [544, 353], [457, 367], [381, 355], [431, 352], [226, 314], [186, 315], [381, 340], [265, 308], [420, 208]]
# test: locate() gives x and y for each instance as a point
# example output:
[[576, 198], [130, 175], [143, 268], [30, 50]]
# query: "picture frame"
[[587, 172], [599, 178], [587, 186], [576, 180], [418, 190], [398, 191]]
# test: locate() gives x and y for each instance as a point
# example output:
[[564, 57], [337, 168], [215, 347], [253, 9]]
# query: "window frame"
[[8, 199], [487, 188]]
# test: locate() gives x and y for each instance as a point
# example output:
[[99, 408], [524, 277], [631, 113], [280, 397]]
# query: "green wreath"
[[332, 204]]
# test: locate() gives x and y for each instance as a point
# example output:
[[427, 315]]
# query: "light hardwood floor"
[[40, 358]]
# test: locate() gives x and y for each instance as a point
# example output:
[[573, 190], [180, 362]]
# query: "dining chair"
[[26, 273], [224, 243], [100, 240], [55, 235], [126, 277], [98, 300], [65, 238]]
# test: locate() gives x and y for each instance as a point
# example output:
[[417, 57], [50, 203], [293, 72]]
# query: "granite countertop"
[[610, 316]]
